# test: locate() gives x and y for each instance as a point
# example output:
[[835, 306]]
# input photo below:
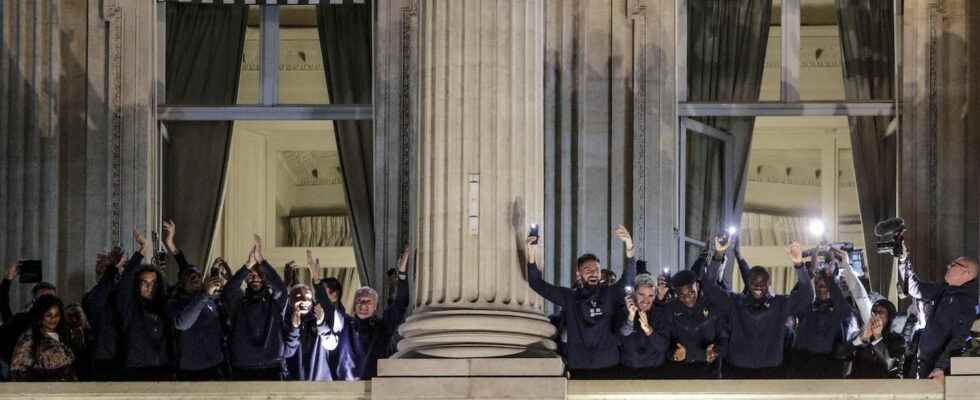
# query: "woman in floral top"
[[43, 353]]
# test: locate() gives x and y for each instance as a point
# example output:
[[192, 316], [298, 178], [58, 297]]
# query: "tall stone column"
[[481, 180]]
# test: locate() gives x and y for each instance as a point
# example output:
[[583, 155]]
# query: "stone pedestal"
[[478, 378], [481, 181]]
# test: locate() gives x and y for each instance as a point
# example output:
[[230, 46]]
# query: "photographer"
[[697, 332], [948, 325], [645, 334], [820, 346], [588, 311], [757, 318]]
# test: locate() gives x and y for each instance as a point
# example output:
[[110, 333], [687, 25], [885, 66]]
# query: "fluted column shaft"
[[481, 166]]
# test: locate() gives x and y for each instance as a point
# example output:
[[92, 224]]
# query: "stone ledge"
[[187, 390], [854, 389], [469, 388], [965, 365], [471, 367]]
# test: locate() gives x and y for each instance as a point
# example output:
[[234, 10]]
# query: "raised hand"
[[297, 318], [251, 257], [795, 252], [169, 230], [12, 271], [721, 246], [403, 259], [680, 353], [212, 285], [257, 240], [532, 249], [314, 264], [631, 308], [319, 313], [711, 354], [624, 236], [645, 324], [662, 288], [140, 241]]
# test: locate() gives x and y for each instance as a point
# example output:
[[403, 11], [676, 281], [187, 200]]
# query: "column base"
[[475, 333], [477, 378]]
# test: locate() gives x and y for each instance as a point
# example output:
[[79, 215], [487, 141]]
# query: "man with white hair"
[[371, 334]]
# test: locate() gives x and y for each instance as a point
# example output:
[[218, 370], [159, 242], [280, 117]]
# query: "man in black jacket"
[[947, 330], [100, 309], [645, 334], [140, 303], [698, 334], [256, 318], [589, 311], [824, 331], [757, 318]]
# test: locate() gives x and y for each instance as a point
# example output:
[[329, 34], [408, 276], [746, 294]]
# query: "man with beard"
[[140, 303], [644, 333], [878, 351], [197, 318], [824, 330], [757, 319], [697, 331], [371, 335], [256, 318], [948, 324], [310, 340], [588, 311]]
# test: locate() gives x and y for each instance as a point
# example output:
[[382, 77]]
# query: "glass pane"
[[704, 186], [691, 254]]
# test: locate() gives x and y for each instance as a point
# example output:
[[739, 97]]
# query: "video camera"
[[825, 249], [891, 236]]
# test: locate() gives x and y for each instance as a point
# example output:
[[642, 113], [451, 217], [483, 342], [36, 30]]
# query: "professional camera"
[[824, 249], [891, 236]]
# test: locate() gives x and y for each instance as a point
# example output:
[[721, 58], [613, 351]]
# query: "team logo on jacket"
[[705, 313]]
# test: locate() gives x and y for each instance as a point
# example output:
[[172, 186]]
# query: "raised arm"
[[126, 294], [857, 290], [8, 279], [916, 288], [715, 294], [552, 293], [801, 298], [743, 265], [169, 231], [395, 313], [629, 270], [231, 294]]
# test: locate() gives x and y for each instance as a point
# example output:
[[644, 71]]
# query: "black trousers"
[[258, 374], [106, 371]]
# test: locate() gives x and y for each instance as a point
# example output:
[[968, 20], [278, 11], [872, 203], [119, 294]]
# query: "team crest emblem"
[[705, 313]]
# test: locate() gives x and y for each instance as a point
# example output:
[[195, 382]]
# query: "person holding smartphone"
[[588, 311]]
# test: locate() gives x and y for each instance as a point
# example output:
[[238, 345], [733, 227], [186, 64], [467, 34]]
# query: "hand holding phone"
[[533, 233]]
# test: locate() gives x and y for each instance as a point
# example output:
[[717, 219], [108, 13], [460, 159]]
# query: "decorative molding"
[[113, 15], [406, 125], [637, 14]]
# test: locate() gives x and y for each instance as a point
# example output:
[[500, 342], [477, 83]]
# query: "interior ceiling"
[[813, 12], [312, 168]]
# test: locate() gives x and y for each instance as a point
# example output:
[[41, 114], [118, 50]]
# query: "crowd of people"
[[252, 324], [691, 325], [210, 325]]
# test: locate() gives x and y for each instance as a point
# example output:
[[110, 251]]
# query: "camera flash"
[[732, 230], [817, 227]]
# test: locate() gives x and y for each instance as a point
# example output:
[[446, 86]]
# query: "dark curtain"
[[726, 57], [204, 57], [345, 41], [868, 46]]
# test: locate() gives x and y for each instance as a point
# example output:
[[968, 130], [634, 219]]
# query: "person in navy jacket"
[[370, 335], [589, 311], [144, 327], [256, 318], [196, 317], [947, 330], [698, 334], [310, 340], [645, 334], [757, 319]]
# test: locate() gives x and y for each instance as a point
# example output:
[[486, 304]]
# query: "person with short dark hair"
[[947, 329], [256, 318], [99, 306], [698, 335], [589, 311], [879, 352], [757, 318], [196, 317], [43, 352], [141, 306], [823, 332]]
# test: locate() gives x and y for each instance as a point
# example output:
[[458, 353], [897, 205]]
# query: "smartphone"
[[533, 232], [30, 271]]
